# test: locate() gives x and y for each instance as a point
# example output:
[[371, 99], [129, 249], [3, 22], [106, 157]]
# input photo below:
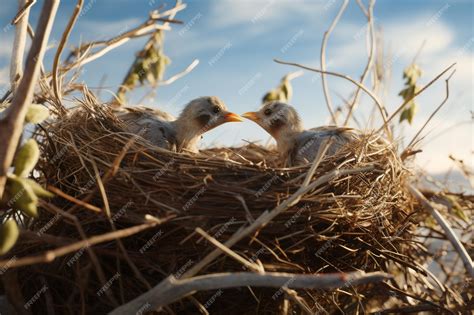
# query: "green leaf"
[[26, 158], [38, 189], [8, 235], [286, 90], [36, 114], [23, 196], [273, 95], [408, 113], [412, 73]]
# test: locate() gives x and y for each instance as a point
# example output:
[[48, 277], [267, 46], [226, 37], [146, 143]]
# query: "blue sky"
[[247, 35]]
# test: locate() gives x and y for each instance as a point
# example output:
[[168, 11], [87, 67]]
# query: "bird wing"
[[308, 143], [151, 124], [146, 111]]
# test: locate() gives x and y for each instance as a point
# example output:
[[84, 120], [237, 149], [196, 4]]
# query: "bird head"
[[277, 118], [206, 113]]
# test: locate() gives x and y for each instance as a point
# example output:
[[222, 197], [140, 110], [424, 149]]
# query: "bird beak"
[[251, 115], [231, 117]]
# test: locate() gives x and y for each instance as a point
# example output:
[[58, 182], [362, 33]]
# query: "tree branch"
[[62, 43], [432, 114], [348, 78], [18, 52], [171, 289], [11, 126], [402, 106]]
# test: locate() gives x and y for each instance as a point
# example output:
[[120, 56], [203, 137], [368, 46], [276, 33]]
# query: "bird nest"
[[128, 215]]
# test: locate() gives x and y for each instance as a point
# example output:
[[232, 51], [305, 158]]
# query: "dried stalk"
[[11, 126], [172, 289], [327, 96]]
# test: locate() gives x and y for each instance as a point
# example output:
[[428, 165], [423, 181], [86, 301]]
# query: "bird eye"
[[216, 109], [267, 112]]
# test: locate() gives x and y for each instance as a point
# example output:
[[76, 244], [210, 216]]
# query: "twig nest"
[[350, 221]]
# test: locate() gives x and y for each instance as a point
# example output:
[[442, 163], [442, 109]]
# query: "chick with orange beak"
[[295, 144], [181, 134]]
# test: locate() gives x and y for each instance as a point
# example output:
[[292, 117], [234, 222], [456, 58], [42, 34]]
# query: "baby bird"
[[181, 134], [296, 145]]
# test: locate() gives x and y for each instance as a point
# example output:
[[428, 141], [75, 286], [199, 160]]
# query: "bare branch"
[[432, 114], [62, 43], [171, 289], [180, 74], [327, 96], [11, 126], [365, 89], [402, 106], [18, 52], [370, 61], [24, 11]]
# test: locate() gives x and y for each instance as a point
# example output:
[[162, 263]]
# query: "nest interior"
[[356, 221]]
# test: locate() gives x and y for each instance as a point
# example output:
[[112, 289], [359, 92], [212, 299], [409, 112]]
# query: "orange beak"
[[231, 117], [251, 115]]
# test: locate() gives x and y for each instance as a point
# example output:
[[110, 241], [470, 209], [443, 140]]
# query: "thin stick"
[[228, 251], [173, 78], [180, 74], [11, 127], [370, 61], [361, 5], [401, 107], [327, 96], [90, 251], [24, 11], [74, 200], [51, 255], [434, 113], [171, 289], [18, 52], [466, 259], [348, 78], [62, 44]]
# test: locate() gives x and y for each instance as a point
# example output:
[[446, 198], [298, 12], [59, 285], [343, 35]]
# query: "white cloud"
[[229, 13], [405, 37]]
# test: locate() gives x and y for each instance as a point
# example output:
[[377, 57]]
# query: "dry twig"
[[172, 289], [327, 96]]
